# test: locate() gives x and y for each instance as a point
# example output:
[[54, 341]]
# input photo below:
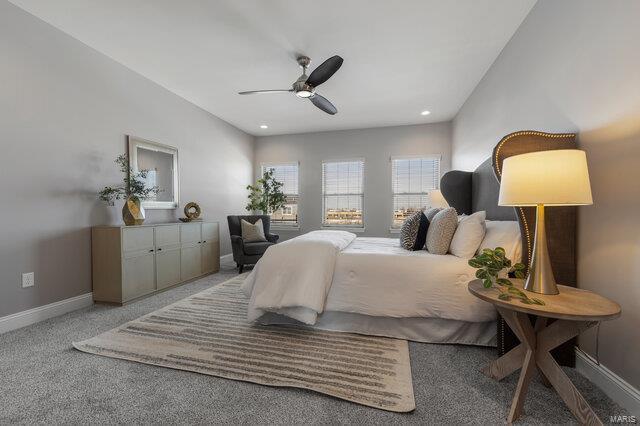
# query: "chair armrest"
[[237, 245], [272, 238]]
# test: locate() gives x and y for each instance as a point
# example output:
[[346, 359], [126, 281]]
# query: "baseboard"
[[613, 385], [226, 258], [41, 313]]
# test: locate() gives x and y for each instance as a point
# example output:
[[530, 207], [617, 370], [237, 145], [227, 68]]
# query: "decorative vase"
[[132, 211]]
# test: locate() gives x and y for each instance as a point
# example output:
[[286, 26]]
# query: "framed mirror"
[[161, 161]]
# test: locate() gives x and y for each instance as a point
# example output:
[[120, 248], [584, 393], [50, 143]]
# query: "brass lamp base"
[[540, 279]]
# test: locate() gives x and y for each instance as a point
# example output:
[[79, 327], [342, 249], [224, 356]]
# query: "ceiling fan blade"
[[323, 103], [324, 71], [260, 92]]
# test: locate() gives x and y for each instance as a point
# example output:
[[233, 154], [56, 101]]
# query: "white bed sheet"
[[376, 277]]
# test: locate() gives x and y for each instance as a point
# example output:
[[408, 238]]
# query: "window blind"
[[343, 193], [411, 181]]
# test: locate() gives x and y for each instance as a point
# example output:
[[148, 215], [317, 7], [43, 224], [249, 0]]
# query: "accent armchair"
[[249, 253]]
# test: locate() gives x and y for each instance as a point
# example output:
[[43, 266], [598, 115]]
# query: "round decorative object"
[[132, 211], [192, 210]]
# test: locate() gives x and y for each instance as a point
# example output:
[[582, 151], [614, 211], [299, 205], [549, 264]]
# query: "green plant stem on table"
[[133, 184], [490, 263]]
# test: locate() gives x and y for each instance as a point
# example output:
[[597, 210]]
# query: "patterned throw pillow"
[[441, 230], [413, 233], [252, 233]]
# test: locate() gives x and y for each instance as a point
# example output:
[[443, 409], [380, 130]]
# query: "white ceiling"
[[400, 57]]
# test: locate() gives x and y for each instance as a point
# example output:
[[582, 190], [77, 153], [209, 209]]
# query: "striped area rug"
[[208, 333]]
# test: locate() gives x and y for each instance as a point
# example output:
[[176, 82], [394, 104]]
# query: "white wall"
[[574, 65], [64, 112], [376, 146]]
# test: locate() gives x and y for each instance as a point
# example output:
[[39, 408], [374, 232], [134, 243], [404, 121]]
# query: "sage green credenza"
[[134, 261]]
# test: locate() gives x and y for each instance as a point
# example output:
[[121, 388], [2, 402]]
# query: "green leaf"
[[487, 283], [538, 301], [504, 296], [515, 291], [519, 274], [500, 251], [482, 274], [519, 266], [504, 282], [475, 263]]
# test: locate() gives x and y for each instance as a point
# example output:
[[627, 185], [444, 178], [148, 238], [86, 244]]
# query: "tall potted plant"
[[132, 190], [266, 195]]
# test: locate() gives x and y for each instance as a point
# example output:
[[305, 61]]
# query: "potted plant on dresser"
[[133, 189]]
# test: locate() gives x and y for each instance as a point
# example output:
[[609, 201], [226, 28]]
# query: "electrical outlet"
[[28, 280]]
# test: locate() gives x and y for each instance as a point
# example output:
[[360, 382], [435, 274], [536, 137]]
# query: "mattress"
[[376, 277]]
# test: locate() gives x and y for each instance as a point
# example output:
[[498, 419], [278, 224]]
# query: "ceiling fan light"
[[304, 94]]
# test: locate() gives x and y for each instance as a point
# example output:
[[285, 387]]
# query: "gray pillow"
[[252, 233], [430, 213], [441, 230]]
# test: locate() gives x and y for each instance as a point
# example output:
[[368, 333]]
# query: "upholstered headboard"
[[475, 191], [470, 192]]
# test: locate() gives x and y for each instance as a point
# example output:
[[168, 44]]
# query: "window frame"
[[396, 229], [278, 225], [352, 228]]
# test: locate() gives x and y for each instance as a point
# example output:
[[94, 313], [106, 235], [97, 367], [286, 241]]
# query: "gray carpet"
[[44, 380]]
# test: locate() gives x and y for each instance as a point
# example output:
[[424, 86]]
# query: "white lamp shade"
[[553, 178], [436, 199]]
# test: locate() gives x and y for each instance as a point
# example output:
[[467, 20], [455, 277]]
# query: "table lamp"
[[436, 199], [544, 178]]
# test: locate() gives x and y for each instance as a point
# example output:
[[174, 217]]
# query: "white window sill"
[[284, 228], [394, 230], [344, 228]]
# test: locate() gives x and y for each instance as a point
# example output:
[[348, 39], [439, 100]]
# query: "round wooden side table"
[[574, 311]]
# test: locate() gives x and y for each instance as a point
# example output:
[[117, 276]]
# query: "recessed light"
[[425, 112], [264, 126]]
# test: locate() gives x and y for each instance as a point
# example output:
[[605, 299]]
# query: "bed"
[[375, 287], [379, 288]]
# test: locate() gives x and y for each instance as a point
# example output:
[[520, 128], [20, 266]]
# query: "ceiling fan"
[[305, 86]]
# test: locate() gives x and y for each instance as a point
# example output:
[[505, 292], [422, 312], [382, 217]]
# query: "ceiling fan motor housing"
[[302, 89]]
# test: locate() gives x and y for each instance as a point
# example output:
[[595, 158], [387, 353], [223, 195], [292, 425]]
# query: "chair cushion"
[[256, 248]]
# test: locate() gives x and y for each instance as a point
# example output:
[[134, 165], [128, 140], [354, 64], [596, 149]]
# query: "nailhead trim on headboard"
[[496, 165]]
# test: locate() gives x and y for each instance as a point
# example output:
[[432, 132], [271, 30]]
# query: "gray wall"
[[574, 65], [376, 146], [64, 112]]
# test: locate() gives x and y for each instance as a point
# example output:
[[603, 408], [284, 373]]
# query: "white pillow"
[[468, 236], [505, 234]]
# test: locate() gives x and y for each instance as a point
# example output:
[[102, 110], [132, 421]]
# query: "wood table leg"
[[548, 339], [534, 353], [506, 364], [521, 325], [541, 323]]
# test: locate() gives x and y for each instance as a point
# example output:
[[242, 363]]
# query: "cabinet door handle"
[[151, 251], [204, 241], [159, 249]]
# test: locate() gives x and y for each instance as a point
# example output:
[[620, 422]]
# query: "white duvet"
[[293, 278], [332, 271], [376, 277]]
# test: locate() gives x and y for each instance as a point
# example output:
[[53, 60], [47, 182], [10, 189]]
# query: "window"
[[411, 181], [342, 193], [287, 174]]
